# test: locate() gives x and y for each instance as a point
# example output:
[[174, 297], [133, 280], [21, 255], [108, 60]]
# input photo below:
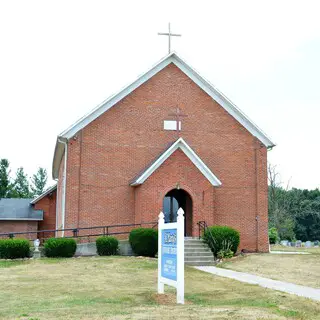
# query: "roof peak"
[[171, 57]]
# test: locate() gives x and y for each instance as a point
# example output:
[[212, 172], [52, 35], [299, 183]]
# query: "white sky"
[[59, 59]]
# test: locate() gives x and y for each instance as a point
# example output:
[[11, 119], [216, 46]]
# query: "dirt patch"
[[166, 299]]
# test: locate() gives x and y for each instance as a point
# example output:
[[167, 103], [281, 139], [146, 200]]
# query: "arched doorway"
[[173, 200]]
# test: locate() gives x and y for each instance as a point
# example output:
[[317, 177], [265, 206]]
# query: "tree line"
[[21, 186], [294, 213]]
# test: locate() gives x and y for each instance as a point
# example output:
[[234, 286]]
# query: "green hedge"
[[144, 241], [14, 248], [60, 247], [221, 239], [107, 246]]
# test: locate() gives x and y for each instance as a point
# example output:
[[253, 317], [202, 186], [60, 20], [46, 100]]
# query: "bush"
[[60, 247], [144, 241], [225, 254], [14, 248], [273, 235], [107, 246], [222, 238]]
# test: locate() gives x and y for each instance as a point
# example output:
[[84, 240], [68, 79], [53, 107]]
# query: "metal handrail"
[[75, 231], [202, 226]]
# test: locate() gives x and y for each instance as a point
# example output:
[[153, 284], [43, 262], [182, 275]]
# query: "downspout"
[[63, 200], [55, 234], [256, 198], [256, 149]]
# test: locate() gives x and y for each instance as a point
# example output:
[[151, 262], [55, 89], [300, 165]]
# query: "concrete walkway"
[[302, 291]]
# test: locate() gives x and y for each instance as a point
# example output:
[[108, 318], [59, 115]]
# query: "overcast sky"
[[59, 59]]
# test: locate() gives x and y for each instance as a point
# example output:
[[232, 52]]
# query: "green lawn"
[[125, 288]]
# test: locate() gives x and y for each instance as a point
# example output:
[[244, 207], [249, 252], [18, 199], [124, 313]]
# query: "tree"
[[308, 220], [4, 178], [279, 206], [20, 187], [39, 181]]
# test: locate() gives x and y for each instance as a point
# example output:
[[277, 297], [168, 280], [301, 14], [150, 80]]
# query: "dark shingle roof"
[[18, 209]]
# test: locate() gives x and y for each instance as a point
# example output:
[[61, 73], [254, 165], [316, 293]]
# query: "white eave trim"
[[20, 219], [216, 95], [205, 85], [51, 189], [179, 144]]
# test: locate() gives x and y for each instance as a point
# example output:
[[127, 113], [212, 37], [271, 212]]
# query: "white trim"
[[216, 95], [63, 201], [42, 195], [179, 144], [20, 219], [111, 101]]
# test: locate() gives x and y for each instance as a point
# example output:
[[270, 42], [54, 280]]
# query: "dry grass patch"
[[125, 288], [293, 249], [298, 269]]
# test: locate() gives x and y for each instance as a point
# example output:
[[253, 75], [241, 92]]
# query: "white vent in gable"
[[171, 125]]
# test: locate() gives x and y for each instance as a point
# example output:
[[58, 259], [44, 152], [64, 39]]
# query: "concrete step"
[[193, 241], [198, 253], [197, 258], [197, 245], [200, 263], [195, 249]]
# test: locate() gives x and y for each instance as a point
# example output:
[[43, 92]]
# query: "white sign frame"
[[179, 283]]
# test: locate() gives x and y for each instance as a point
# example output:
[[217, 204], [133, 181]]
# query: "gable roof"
[[18, 209], [42, 195], [195, 159], [216, 95]]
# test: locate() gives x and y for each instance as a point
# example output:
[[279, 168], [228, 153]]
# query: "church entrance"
[[173, 200]]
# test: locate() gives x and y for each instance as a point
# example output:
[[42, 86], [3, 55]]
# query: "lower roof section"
[[19, 209]]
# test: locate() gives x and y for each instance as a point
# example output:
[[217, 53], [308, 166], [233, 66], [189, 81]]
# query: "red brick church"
[[168, 140]]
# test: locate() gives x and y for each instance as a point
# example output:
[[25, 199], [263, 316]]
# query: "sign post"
[[171, 255]]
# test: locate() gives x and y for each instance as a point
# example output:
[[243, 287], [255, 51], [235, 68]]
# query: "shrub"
[[14, 248], [144, 241], [273, 235], [60, 247], [107, 246], [225, 253], [222, 238]]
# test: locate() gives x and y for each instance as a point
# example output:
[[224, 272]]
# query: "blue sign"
[[169, 254]]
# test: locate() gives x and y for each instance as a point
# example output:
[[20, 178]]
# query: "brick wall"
[[19, 226], [113, 149], [48, 205]]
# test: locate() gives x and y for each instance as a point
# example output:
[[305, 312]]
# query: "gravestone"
[[284, 242], [289, 244], [308, 244], [298, 244], [293, 244], [316, 243]]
